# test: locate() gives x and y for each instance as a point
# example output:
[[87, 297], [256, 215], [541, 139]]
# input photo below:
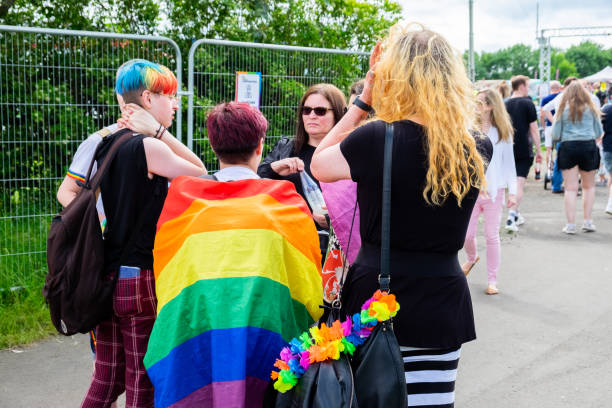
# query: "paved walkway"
[[543, 342]]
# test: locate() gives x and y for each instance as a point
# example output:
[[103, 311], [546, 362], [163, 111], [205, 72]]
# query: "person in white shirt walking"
[[501, 174]]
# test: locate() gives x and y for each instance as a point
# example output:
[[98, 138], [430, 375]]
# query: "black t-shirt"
[[417, 226], [128, 191], [434, 311], [522, 113], [606, 121]]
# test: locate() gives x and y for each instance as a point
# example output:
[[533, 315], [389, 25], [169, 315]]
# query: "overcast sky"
[[501, 23]]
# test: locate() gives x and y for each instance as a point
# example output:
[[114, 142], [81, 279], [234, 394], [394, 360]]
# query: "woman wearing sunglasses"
[[320, 109]]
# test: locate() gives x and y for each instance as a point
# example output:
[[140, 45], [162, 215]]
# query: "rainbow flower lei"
[[326, 343]]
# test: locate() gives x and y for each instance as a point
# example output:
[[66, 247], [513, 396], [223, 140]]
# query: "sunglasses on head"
[[319, 110]]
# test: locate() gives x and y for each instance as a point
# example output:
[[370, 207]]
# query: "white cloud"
[[499, 24]]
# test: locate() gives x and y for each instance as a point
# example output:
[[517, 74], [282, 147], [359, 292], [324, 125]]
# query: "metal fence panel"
[[56, 87], [286, 73]]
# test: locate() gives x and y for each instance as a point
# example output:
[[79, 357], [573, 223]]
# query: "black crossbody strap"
[[384, 279]]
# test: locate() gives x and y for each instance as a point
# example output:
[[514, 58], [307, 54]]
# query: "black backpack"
[[78, 292]]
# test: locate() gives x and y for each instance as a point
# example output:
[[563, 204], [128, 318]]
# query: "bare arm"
[[67, 191], [139, 120], [535, 136], [161, 160], [328, 163], [182, 151], [548, 115]]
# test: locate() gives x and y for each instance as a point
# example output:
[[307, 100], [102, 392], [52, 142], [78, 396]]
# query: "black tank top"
[[128, 193]]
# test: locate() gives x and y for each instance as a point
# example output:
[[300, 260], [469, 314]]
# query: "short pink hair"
[[234, 131]]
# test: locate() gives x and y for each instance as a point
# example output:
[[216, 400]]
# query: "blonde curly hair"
[[420, 74]]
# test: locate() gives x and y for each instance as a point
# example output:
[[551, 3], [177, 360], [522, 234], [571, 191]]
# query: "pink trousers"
[[492, 211]]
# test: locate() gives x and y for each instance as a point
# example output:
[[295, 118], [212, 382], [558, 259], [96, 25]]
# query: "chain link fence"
[[56, 88], [286, 73]]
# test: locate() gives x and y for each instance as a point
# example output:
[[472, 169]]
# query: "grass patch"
[[24, 316]]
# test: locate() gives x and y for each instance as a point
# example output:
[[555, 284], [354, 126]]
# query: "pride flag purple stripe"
[[227, 394]]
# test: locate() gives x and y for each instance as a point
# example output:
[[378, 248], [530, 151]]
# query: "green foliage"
[[24, 316], [130, 16], [55, 90], [589, 57], [579, 60], [518, 59], [559, 62], [352, 24]]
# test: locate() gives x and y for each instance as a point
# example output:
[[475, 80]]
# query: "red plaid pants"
[[122, 343]]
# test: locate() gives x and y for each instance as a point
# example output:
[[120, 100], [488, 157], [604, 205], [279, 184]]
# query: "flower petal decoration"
[[329, 342]]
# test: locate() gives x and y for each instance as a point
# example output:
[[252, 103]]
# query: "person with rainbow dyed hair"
[[70, 187], [134, 190]]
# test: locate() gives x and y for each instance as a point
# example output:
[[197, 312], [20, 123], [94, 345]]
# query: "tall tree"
[[559, 62], [133, 16], [589, 57], [518, 59], [316, 23]]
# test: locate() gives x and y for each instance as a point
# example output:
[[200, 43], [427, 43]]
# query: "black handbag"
[[374, 376], [324, 385]]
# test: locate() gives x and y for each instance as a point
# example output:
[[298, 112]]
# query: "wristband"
[[157, 133], [162, 133], [362, 105]]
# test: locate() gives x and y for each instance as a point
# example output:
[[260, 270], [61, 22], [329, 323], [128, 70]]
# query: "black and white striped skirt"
[[430, 376]]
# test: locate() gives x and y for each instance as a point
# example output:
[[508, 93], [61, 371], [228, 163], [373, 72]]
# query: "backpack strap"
[[104, 132], [122, 136]]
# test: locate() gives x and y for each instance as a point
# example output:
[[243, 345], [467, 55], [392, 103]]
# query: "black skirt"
[[435, 303]]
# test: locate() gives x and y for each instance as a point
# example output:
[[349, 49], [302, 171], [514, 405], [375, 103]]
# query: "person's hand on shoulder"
[[139, 120]]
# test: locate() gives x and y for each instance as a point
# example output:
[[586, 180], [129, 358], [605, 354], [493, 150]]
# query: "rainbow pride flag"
[[238, 275]]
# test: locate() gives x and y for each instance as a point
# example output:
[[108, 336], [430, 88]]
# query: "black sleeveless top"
[[128, 193], [435, 303]]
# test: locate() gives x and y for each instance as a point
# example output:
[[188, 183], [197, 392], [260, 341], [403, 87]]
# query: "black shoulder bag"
[[378, 366], [374, 376]]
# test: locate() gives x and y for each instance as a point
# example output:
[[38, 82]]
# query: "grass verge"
[[24, 317]]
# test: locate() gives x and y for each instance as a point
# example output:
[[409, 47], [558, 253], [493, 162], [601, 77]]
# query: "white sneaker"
[[609, 206], [519, 220], [569, 229], [511, 226], [588, 226]]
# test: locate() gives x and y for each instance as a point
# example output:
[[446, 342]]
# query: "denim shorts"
[[581, 153], [607, 161]]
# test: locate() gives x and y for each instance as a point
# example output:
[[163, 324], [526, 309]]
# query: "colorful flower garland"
[[326, 343]]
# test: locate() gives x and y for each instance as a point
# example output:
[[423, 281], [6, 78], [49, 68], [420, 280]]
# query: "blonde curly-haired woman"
[[418, 83], [494, 122]]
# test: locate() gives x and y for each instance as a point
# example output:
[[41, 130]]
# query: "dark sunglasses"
[[319, 110]]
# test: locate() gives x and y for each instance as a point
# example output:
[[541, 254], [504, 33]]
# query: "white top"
[[501, 172], [83, 157], [554, 104], [234, 173]]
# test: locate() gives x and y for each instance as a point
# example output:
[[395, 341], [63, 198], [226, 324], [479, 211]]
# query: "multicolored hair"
[[140, 74]]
